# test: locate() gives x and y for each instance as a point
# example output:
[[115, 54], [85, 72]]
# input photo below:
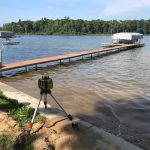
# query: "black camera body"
[[45, 83]]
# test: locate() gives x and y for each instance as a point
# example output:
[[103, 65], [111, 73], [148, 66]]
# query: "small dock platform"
[[16, 65]]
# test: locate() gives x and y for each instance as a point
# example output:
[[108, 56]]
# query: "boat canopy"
[[127, 36], [5, 34]]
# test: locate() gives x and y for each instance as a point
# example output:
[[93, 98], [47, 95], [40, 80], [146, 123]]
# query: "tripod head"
[[45, 83]]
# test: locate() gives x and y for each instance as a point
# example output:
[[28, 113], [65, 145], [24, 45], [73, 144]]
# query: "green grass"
[[29, 143], [18, 112], [7, 104], [25, 142], [23, 116], [6, 142]]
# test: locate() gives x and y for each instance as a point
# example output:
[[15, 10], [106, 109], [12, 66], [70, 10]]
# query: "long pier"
[[16, 65]]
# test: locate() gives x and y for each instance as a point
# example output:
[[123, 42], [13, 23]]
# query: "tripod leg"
[[74, 123], [58, 103], [34, 115], [45, 100]]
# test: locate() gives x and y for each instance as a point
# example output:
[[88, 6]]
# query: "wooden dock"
[[16, 65]]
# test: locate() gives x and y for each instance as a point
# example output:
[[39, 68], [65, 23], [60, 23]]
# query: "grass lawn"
[[20, 114]]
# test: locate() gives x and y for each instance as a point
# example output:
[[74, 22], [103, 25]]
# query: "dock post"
[[60, 62], [1, 56], [69, 60], [26, 68], [91, 55], [82, 57], [36, 67], [1, 74]]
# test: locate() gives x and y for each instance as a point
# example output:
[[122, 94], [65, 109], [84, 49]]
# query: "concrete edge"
[[13, 93], [121, 143]]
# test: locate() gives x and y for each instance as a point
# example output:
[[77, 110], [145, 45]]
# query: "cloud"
[[72, 8], [97, 9], [117, 7]]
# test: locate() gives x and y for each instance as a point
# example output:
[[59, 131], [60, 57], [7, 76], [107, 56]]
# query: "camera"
[[45, 83]]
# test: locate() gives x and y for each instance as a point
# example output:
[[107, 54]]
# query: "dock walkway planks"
[[6, 67]]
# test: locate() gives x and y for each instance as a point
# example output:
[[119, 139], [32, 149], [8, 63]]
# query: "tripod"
[[45, 92]]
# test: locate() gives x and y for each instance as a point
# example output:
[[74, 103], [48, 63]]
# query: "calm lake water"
[[111, 92]]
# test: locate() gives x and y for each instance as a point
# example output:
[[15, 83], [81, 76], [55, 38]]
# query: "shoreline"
[[30, 101], [40, 34]]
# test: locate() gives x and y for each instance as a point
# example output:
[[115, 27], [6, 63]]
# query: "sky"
[[13, 10]]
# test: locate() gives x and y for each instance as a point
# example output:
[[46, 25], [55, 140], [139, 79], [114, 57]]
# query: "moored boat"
[[125, 38], [10, 43]]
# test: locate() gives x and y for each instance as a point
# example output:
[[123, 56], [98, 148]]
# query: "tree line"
[[78, 26]]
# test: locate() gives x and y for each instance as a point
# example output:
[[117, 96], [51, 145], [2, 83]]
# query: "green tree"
[[79, 26]]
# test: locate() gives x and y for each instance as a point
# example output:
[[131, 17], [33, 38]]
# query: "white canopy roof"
[[127, 36]]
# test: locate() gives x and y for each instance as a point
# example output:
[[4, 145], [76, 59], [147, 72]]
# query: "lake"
[[111, 92]]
